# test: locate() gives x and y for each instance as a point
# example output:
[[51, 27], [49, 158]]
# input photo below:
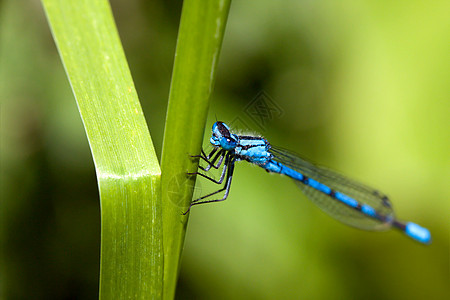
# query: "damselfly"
[[344, 199]]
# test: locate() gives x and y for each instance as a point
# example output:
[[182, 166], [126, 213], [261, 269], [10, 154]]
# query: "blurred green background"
[[363, 87]]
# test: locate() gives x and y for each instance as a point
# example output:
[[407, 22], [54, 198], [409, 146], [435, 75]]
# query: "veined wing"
[[364, 195]]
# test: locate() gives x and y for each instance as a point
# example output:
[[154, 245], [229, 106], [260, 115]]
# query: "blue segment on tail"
[[346, 200], [418, 233], [366, 209], [318, 186]]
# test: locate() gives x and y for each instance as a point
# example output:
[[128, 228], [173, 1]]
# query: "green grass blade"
[[199, 41], [127, 169]]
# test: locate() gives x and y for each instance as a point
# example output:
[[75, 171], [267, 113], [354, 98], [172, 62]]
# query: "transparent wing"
[[337, 182]]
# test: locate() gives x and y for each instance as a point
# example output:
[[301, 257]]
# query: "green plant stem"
[[127, 169], [199, 42]]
